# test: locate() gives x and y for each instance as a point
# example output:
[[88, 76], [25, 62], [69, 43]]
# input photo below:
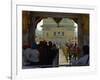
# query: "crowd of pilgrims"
[[72, 51], [46, 54], [43, 54], [76, 55]]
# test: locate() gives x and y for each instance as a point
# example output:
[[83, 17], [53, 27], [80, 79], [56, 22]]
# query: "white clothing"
[[32, 54]]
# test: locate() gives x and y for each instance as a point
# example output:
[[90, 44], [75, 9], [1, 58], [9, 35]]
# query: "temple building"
[[31, 19], [58, 34]]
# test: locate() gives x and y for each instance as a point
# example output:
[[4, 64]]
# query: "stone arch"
[[31, 19]]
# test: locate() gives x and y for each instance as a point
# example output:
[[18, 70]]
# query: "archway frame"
[[36, 17]]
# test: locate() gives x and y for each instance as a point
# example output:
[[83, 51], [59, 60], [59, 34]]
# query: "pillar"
[[80, 33], [31, 36], [33, 24]]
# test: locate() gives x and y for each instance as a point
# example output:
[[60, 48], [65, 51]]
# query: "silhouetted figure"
[[50, 54], [47, 53], [55, 55], [43, 49], [50, 44]]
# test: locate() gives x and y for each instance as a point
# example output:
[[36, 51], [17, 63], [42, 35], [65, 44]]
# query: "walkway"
[[62, 58]]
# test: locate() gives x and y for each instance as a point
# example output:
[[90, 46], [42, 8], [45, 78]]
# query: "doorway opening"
[[53, 39]]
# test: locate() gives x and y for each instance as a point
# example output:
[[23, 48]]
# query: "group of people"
[[76, 55], [84, 58], [43, 54], [46, 54], [72, 51]]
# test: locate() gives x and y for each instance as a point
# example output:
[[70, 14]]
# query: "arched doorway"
[[37, 27]]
